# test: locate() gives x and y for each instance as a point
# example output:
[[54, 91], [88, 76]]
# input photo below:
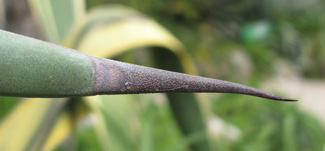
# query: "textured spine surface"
[[33, 68], [113, 77]]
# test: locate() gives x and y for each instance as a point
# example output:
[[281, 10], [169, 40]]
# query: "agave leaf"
[[95, 105], [113, 127], [106, 28], [93, 18], [33, 68], [28, 125], [2, 14], [58, 16], [116, 129], [115, 29], [147, 112], [62, 127], [6, 105], [90, 84]]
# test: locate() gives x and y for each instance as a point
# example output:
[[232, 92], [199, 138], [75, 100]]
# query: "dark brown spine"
[[113, 77]]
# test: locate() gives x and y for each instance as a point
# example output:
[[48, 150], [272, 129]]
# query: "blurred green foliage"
[[6, 105], [211, 31], [265, 30], [209, 27], [269, 125], [164, 134]]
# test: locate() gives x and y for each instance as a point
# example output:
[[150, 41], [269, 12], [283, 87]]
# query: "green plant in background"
[[268, 125], [106, 32], [294, 29], [37, 69], [2, 15], [212, 30]]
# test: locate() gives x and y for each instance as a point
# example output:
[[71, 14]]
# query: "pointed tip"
[[291, 100], [268, 95], [115, 77], [286, 99], [243, 89]]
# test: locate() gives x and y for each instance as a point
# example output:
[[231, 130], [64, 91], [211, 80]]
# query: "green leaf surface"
[[29, 124], [36, 68], [58, 16]]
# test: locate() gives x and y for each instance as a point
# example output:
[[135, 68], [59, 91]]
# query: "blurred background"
[[274, 45]]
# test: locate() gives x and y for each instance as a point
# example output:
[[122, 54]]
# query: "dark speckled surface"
[[115, 77]]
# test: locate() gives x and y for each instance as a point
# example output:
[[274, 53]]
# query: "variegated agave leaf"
[[33, 68]]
